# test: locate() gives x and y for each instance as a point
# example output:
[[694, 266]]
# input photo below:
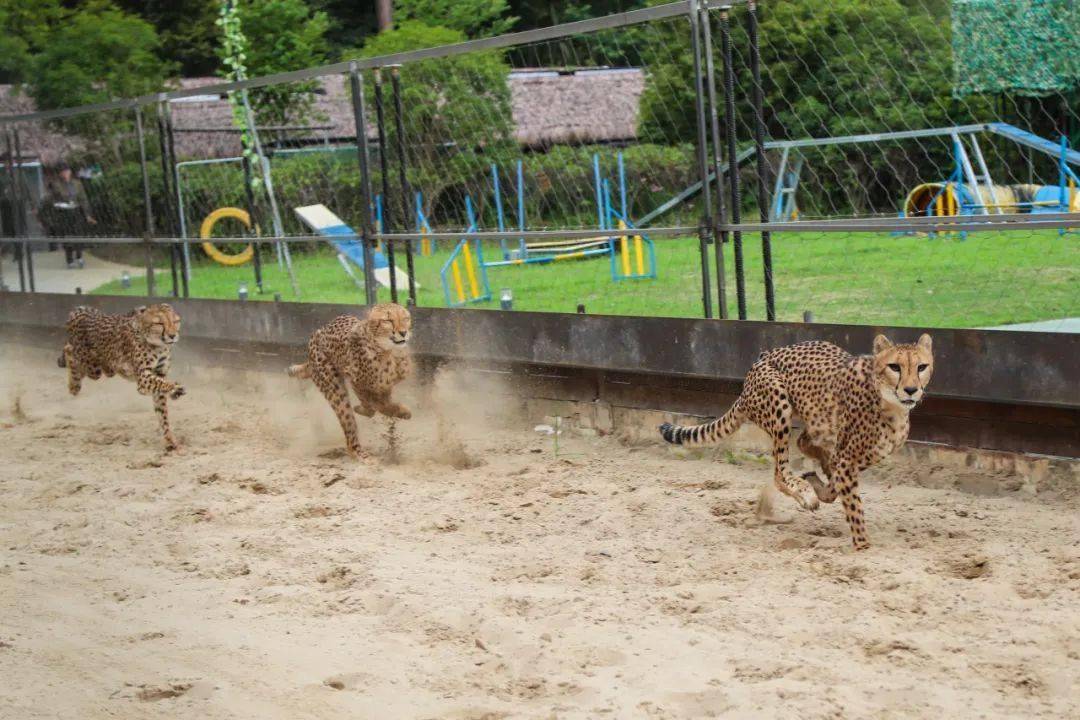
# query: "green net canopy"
[[1029, 47]]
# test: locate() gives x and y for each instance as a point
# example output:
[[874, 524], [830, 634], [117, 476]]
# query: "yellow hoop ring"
[[206, 231]]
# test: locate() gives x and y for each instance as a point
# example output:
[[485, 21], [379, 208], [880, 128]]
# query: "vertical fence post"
[[759, 152], [702, 151], [720, 237], [163, 148], [356, 87], [733, 160], [174, 177], [249, 198], [17, 247], [387, 206], [20, 212], [399, 126], [148, 232]]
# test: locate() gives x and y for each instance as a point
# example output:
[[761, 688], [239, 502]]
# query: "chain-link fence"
[[887, 162]]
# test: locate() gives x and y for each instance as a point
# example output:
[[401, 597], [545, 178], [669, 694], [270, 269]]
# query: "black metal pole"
[[17, 248], [705, 228], [20, 213], [733, 162], [406, 193], [249, 196], [387, 213], [759, 152], [149, 229], [356, 87], [167, 196], [171, 145], [720, 237]]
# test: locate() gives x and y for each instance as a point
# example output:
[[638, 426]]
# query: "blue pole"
[[498, 207], [599, 191], [622, 188], [1063, 191], [469, 214], [521, 207]]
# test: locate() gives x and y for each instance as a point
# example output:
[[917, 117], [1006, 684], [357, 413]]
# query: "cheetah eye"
[[923, 366], [894, 367]]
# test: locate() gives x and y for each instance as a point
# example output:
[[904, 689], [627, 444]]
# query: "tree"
[[281, 35], [23, 31], [384, 13], [96, 54], [475, 18], [186, 28]]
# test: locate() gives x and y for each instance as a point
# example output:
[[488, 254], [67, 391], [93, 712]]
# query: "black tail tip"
[[671, 434]]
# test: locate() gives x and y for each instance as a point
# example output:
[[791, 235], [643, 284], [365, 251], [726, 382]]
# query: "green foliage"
[[187, 31], [97, 54], [475, 18], [23, 31]]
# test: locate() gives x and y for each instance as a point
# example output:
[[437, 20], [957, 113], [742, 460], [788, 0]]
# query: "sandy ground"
[[260, 575]]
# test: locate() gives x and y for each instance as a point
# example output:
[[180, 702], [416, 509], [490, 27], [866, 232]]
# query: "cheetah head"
[[903, 371], [389, 324], [158, 324]]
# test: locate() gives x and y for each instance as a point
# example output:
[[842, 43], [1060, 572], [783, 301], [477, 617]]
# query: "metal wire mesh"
[[598, 134]]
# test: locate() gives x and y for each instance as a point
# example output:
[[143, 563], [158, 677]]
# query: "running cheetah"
[[369, 354], [856, 411], [135, 346]]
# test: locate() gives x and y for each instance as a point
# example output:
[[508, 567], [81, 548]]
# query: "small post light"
[[242, 292], [125, 279], [506, 299], [277, 297]]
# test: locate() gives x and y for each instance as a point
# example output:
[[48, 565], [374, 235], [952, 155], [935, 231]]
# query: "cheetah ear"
[[925, 343], [881, 344]]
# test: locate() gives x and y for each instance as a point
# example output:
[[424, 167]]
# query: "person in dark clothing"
[[65, 212]]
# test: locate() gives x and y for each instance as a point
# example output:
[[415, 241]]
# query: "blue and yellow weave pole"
[[426, 245], [637, 253], [378, 221], [464, 275]]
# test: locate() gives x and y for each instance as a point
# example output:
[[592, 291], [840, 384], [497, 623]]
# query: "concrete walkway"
[[1064, 325], [52, 275]]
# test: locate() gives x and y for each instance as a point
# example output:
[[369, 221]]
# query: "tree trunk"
[[384, 14]]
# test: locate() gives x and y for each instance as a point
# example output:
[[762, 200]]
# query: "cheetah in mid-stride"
[[369, 354], [855, 409], [135, 346]]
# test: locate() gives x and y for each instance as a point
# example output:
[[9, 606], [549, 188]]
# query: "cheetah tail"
[[299, 371], [707, 434]]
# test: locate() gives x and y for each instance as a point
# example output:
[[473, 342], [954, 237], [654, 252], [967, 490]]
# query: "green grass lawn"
[[989, 278]]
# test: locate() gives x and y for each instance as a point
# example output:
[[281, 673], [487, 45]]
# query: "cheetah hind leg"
[[774, 417], [75, 374], [303, 370], [824, 489], [333, 387]]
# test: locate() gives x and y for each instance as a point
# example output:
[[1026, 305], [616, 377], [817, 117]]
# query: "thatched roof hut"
[[549, 106]]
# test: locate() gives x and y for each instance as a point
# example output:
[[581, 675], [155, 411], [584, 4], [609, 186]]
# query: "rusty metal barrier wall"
[[1010, 391]]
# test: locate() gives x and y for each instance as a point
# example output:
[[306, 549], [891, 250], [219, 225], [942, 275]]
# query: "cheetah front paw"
[[177, 392]]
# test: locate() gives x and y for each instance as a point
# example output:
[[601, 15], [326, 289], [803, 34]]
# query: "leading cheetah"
[[855, 410], [370, 355], [135, 346]]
